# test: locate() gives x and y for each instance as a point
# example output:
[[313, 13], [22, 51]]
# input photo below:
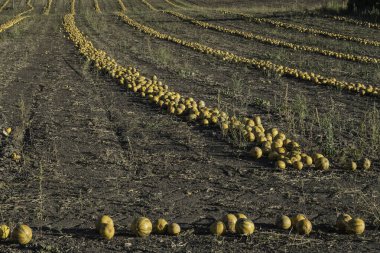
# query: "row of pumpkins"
[[230, 223]]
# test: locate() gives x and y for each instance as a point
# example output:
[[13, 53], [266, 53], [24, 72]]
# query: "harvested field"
[[152, 108]]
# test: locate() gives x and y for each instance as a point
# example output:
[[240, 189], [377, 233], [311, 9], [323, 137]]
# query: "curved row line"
[[17, 19], [47, 7], [173, 4], [274, 143], [11, 23], [276, 42], [149, 5], [31, 8], [355, 22], [303, 29], [260, 64], [122, 6], [4, 5]]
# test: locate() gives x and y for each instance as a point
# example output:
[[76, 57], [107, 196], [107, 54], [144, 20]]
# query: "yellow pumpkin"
[[307, 160], [342, 222], [15, 157], [283, 222], [174, 229], [224, 126], [22, 234], [298, 165], [356, 226], [141, 226], [257, 120], [240, 216], [107, 230], [230, 221], [304, 227], [245, 227], [366, 164], [322, 163], [218, 228], [295, 219], [256, 152], [352, 165], [4, 232], [281, 164], [104, 219], [7, 131], [160, 226], [273, 155], [316, 156]]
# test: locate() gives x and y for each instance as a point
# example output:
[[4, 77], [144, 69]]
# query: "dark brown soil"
[[90, 148]]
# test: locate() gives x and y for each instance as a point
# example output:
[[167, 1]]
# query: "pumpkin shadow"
[[325, 228], [265, 226], [202, 226], [81, 233]]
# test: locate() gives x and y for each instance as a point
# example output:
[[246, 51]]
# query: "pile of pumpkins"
[[303, 226], [272, 142], [22, 234], [141, 227], [346, 224], [277, 42], [259, 64], [233, 224], [298, 222]]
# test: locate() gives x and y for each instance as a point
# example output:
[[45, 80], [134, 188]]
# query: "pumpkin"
[[352, 166], [273, 155], [22, 234], [283, 222], [218, 228], [366, 164], [304, 227], [240, 216], [257, 120], [104, 219], [4, 232], [107, 230], [205, 122], [322, 163], [16, 157], [174, 229], [298, 165], [224, 126], [307, 160], [230, 221], [256, 152], [295, 219], [356, 226], [245, 227], [7, 131], [141, 226], [342, 222], [160, 226], [281, 164], [192, 117], [316, 156]]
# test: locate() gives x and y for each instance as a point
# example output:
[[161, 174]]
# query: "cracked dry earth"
[[90, 148]]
